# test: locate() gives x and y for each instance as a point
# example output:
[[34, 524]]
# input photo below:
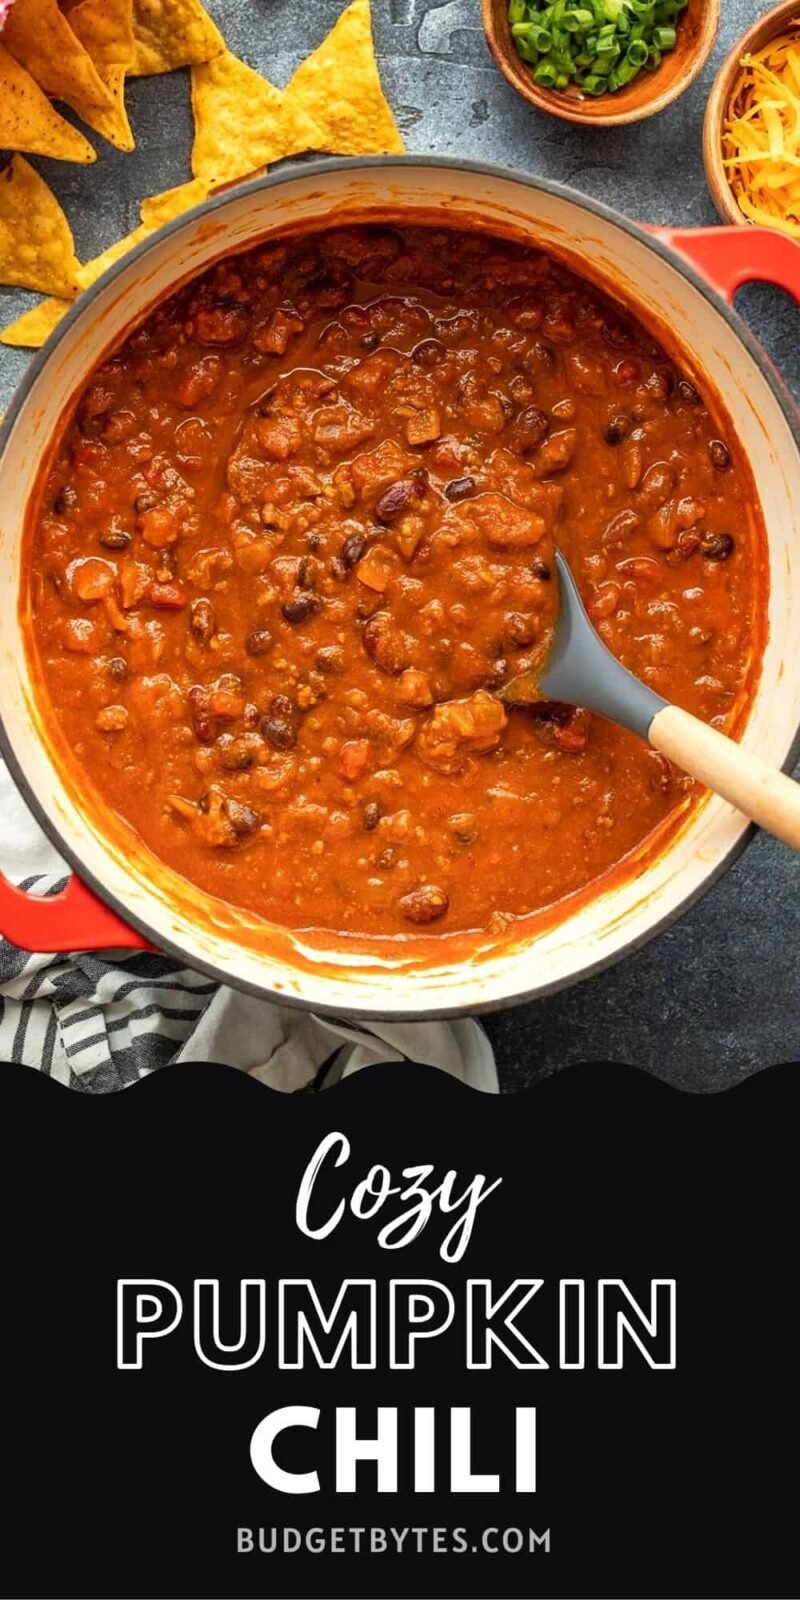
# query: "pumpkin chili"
[[298, 530]]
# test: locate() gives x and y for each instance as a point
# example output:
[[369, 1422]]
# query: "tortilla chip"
[[36, 245], [339, 87], [94, 268], [172, 33], [28, 121], [34, 326], [160, 208], [40, 38], [241, 121], [105, 29]]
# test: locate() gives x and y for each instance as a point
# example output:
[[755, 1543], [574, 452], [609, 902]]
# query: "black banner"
[[565, 1317]]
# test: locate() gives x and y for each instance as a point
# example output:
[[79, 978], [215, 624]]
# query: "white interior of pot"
[[603, 927]]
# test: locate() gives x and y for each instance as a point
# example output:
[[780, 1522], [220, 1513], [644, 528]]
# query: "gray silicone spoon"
[[581, 671]]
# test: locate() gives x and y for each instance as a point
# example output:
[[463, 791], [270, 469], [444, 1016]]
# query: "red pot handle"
[[731, 257], [73, 919]]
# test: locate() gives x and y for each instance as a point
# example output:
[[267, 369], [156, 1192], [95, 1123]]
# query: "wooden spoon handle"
[[762, 793]]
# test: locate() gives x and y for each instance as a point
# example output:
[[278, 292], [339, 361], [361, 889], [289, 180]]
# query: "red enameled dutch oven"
[[682, 283]]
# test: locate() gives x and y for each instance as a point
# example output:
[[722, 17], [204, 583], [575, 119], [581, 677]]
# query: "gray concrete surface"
[[718, 996]]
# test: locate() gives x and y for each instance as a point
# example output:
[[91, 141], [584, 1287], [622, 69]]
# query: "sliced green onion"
[[598, 45], [626, 72], [545, 75]]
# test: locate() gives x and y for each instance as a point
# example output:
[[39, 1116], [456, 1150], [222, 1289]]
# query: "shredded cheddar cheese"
[[761, 134]]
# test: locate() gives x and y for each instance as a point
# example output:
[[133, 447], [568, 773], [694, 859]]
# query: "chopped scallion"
[[598, 46]]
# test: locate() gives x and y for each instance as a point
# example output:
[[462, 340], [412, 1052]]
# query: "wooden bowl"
[[770, 26], [649, 92]]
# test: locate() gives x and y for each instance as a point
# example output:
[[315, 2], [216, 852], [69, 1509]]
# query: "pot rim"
[[319, 170]]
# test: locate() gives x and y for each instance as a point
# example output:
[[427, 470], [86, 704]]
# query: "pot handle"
[[73, 919], [729, 257]]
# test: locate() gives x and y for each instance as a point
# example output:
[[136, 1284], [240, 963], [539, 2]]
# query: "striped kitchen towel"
[[99, 1022]]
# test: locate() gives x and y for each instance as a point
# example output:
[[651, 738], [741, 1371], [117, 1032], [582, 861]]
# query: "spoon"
[[580, 671]]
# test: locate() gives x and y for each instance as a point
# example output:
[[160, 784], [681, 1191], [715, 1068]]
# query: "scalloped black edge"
[[559, 1080]]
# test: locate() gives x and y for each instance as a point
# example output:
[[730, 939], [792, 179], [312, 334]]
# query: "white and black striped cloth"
[[93, 1021], [100, 1022]]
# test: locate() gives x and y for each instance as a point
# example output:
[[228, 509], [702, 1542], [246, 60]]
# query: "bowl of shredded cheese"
[[751, 140]]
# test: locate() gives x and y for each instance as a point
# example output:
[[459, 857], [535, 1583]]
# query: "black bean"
[[243, 819], [300, 607], [617, 429], [370, 341], [115, 539], [540, 570], [459, 488], [65, 500], [280, 733], [307, 573], [395, 500], [429, 353], [529, 429], [258, 642], [720, 454], [146, 501], [331, 658], [424, 905], [717, 546], [372, 816], [687, 394], [353, 549], [202, 620], [117, 668]]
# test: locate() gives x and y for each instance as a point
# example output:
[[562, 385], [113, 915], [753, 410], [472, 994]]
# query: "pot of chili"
[[279, 501]]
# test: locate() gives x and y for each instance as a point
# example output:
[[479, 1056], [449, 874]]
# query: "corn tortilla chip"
[[160, 208], [241, 121], [172, 33], [40, 38], [28, 121], [94, 268], [339, 86], [36, 245], [105, 29], [34, 326]]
